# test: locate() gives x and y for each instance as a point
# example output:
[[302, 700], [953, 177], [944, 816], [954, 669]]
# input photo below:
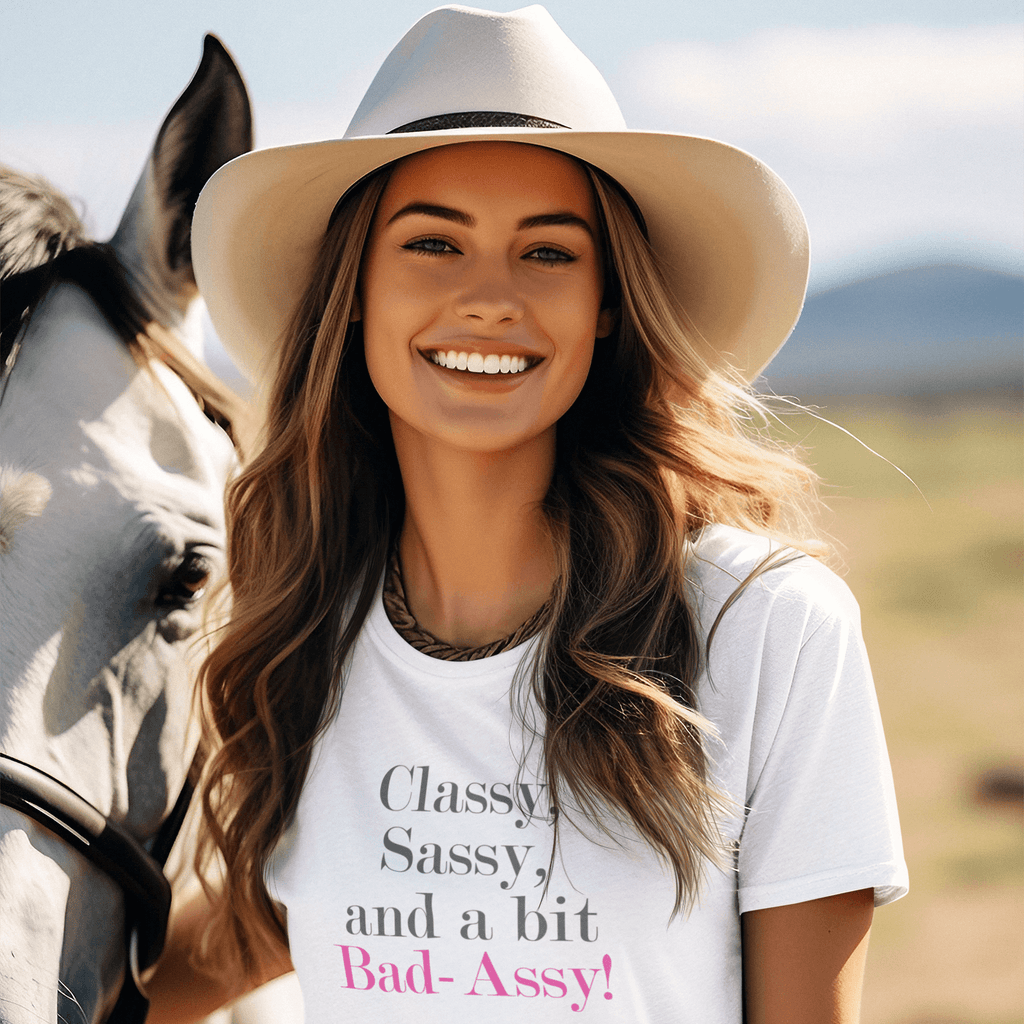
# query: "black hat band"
[[474, 119]]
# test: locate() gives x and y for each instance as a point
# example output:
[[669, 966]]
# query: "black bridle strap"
[[160, 848], [107, 845]]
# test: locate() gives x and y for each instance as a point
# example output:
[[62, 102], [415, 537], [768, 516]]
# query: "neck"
[[477, 557]]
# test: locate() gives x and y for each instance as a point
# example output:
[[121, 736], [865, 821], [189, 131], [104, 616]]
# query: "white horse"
[[111, 528]]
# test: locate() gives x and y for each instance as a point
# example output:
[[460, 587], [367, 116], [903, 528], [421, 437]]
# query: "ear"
[[606, 322], [209, 124]]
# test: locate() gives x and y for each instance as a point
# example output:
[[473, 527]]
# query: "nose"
[[488, 294]]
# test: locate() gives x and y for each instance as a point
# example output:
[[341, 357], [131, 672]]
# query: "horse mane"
[[43, 243], [37, 223]]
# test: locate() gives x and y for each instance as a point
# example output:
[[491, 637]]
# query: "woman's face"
[[480, 293]]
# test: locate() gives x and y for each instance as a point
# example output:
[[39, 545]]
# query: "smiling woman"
[[509, 530], [479, 253]]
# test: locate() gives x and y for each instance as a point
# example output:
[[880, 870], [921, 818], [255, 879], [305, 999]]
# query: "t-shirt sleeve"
[[819, 812]]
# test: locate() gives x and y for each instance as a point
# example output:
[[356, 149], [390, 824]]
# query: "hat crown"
[[458, 59]]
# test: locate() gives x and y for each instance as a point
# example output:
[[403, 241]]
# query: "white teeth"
[[474, 362]]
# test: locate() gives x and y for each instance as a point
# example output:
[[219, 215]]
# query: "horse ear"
[[209, 124]]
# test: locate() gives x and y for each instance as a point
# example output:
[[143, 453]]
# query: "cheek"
[[375, 363], [389, 373], [574, 326], [379, 348], [570, 381], [387, 327], [374, 339]]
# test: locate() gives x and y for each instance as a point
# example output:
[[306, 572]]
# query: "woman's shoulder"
[[763, 577]]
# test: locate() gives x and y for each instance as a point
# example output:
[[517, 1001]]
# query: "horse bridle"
[[138, 872]]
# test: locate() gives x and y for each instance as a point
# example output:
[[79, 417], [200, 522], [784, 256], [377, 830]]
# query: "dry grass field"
[[940, 578]]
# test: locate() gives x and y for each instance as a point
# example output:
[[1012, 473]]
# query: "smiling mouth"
[[475, 362]]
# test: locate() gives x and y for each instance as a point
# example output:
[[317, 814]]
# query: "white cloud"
[[839, 84], [893, 137]]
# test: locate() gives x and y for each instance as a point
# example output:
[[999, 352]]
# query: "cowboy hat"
[[731, 238]]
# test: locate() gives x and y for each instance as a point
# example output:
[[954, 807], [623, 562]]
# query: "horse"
[[115, 446]]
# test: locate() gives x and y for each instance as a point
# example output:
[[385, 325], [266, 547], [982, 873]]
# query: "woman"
[[519, 712]]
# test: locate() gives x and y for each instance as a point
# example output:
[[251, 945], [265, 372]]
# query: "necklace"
[[397, 608]]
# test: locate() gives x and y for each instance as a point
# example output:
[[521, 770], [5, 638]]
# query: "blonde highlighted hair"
[[656, 447]]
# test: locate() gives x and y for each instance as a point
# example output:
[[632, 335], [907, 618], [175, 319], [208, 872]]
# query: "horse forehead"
[[79, 403], [156, 444]]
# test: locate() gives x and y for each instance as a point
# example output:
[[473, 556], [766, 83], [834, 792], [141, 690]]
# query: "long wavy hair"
[[657, 446]]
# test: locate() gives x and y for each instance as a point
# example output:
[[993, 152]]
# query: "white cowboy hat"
[[731, 237]]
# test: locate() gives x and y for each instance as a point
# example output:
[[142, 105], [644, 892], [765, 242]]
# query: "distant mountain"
[[930, 329]]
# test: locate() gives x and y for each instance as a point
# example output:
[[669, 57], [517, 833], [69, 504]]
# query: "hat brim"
[[730, 235]]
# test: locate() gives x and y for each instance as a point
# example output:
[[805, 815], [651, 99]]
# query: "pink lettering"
[[549, 979], [427, 986], [585, 987], [350, 981], [491, 975], [390, 979], [531, 983], [418, 976]]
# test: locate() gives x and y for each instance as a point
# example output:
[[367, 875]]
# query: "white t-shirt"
[[414, 873]]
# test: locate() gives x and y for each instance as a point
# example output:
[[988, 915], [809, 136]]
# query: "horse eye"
[[186, 583]]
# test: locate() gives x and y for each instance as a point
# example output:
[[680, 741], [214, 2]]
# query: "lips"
[[477, 362]]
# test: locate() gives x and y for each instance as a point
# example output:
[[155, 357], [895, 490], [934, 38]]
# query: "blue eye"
[[547, 254], [430, 246]]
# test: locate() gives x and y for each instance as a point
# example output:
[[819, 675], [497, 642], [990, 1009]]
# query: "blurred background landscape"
[[925, 367], [899, 125]]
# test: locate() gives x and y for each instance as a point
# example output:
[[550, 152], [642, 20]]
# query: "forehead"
[[473, 173]]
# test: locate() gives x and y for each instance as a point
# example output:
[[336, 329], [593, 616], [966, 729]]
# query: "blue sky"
[[899, 125]]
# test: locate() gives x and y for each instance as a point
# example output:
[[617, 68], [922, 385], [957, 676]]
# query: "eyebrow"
[[544, 220], [449, 213], [433, 210]]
